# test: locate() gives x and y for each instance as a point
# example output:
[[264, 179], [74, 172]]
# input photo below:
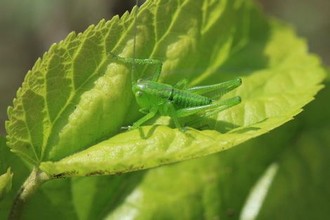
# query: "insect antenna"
[[133, 67]]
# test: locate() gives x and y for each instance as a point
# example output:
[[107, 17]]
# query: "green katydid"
[[154, 97], [176, 101]]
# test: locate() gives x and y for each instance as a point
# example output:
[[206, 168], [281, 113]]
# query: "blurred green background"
[[28, 28]]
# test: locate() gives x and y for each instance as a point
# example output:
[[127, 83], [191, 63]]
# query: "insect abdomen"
[[186, 99]]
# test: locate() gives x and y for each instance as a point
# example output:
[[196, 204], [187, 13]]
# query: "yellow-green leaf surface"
[[5, 182], [219, 186], [68, 113], [5, 178], [215, 186]]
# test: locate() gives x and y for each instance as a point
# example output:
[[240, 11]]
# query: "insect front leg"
[[142, 120]]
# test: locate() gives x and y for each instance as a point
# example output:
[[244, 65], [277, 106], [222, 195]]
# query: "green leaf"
[[75, 99], [301, 189], [11, 181], [5, 182], [73, 87], [6, 178], [218, 186]]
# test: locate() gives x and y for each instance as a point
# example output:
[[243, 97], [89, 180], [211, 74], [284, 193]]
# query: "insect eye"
[[138, 93]]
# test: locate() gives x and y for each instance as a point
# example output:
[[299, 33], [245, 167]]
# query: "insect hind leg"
[[215, 91], [210, 109], [199, 117], [219, 106]]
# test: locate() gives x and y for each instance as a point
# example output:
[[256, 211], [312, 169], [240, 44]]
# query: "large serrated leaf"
[[76, 96], [73, 87]]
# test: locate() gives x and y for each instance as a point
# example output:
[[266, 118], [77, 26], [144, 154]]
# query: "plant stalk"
[[31, 184]]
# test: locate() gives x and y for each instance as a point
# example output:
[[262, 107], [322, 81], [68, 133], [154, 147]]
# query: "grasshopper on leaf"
[[154, 97]]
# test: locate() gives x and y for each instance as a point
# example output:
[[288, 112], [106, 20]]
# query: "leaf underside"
[[75, 99]]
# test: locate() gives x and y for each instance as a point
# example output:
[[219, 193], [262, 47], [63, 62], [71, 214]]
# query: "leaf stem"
[[30, 185]]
